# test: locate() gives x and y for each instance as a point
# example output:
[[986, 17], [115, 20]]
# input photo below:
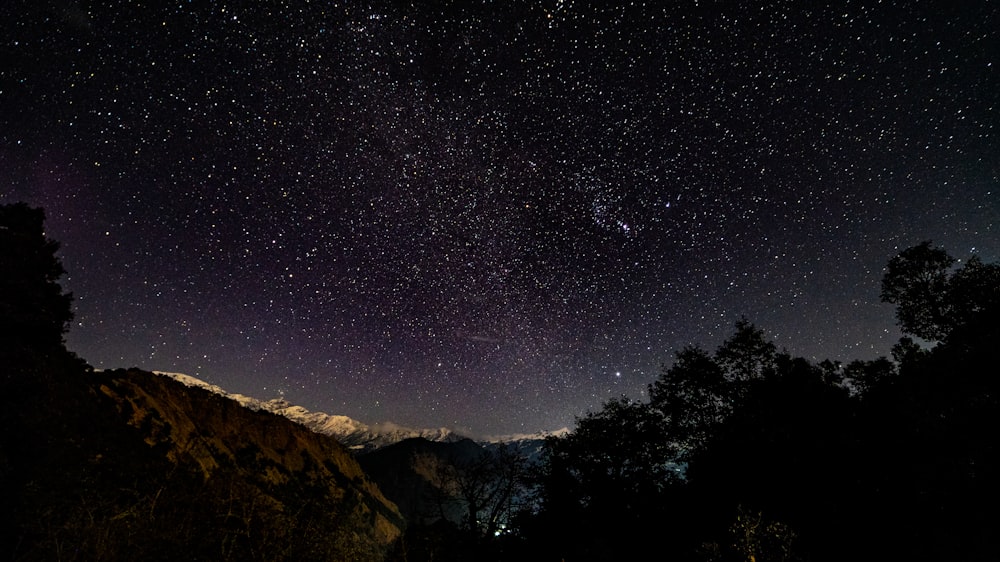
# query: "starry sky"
[[490, 216]]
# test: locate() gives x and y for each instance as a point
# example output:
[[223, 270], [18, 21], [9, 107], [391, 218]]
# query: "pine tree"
[[34, 310]]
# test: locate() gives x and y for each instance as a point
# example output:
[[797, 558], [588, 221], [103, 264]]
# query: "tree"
[[604, 487], [620, 454], [746, 356], [907, 352], [933, 300], [699, 391], [974, 299], [781, 451], [692, 395], [755, 538], [866, 375], [34, 310], [916, 281], [486, 486]]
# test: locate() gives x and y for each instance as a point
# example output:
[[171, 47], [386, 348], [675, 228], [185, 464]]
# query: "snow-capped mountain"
[[352, 433]]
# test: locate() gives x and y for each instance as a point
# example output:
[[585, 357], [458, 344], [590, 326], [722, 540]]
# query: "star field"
[[490, 216]]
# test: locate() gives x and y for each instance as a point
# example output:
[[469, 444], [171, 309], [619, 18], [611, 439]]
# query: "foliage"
[[741, 454], [753, 537], [867, 375], [781, 451], [692, 395], [746, 356], [932, 301], [868, 459], [698, 392], [34, 310], [618, 454], [485, 486], [604, 485]]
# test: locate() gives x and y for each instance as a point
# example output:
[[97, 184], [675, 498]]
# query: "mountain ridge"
[[354, 434]]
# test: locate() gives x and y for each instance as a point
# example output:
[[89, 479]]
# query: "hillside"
[[414, 473], [130, 465]]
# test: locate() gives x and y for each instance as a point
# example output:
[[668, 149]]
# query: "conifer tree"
[[34, 310]]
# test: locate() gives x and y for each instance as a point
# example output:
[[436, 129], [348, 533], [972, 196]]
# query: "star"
[[486, 203]]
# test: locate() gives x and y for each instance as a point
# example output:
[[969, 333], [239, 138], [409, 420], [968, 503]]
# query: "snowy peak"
[[352, 433], [541, 436]]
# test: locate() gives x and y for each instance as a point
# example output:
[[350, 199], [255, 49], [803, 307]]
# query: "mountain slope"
[[128, 465], [283, 463], [414, 473]]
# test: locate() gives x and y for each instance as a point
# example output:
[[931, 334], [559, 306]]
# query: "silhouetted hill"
[[128, 465], [413, 473]]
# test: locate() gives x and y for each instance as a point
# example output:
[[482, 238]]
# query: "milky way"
[[491, 216]]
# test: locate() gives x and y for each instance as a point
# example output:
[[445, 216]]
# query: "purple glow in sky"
[[491, 216]]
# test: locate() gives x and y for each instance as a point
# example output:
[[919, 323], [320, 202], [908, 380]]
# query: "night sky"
[[491, 216]]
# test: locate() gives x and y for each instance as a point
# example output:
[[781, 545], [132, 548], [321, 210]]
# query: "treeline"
[[740, 453], [748, 453]]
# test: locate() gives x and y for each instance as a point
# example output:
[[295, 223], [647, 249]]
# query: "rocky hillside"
[[128, 465]]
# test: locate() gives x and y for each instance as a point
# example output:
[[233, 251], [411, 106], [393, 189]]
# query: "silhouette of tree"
[[916, 281], [974, 302], [907, 352], [618, 454], [746, 356], [34, 310], [933, 300], [833, 371], [604, 485], [698, 391], [907, 467], [865, 375], [781, 452], [692, 395], [930, 444], [486, 486]]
